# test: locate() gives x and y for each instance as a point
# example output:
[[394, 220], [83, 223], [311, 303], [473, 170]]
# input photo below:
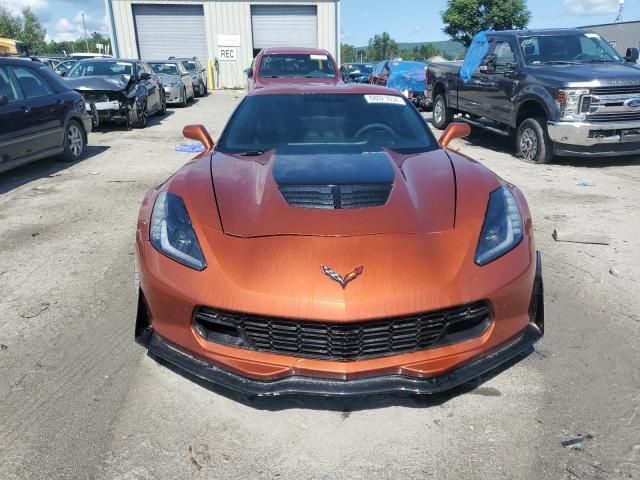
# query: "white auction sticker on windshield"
[[318, 57], [389, 99], [591, 35]]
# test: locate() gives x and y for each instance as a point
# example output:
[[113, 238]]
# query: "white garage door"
[[170, 30], [284, 26]]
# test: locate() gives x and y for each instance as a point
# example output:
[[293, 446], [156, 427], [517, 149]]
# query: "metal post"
[[338, 41], [86, 40]]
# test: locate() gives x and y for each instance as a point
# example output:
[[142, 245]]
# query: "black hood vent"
[[333, 180], [335, 196]]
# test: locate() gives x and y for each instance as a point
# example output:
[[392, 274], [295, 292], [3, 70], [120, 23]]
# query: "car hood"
[[112, 83], [251, 203], [167, 79], [268, 82], [605, 74]]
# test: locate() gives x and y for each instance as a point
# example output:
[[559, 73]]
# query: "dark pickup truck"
[[559, 92]]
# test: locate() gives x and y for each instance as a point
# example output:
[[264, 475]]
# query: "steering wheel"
[[375, 126]]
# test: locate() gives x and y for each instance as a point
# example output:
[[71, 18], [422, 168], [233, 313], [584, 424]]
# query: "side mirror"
[[489, 64], [632, 55], [145, 76], [249, 72], [453, 131], [199, 133], [3, 100]]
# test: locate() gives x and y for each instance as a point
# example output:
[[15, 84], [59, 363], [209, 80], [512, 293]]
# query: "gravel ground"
[[80, 400]]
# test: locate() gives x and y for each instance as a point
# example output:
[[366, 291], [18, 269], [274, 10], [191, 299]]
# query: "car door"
[[472, 96], [503, 82], [14, 136], [45, 110], [375, 76]]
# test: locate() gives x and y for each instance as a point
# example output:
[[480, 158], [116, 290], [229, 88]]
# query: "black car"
[[40, 116], [356, 72], [119, 90]]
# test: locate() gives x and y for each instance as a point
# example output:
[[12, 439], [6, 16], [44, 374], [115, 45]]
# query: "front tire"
[[184, 99], [532, 141], [163, 105], [442, 115], [140, 113], [74, 142]]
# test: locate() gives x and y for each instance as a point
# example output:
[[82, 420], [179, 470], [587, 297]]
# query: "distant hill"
[[447, 47]]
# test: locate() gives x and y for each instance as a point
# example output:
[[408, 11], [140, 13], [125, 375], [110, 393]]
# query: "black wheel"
[[163, 104], [442, 115], [140, 113], [73, 142], [203, 89], [532, 141], [184, 99]]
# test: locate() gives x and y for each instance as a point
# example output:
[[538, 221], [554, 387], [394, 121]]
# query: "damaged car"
[[329, 245], [120, 91]]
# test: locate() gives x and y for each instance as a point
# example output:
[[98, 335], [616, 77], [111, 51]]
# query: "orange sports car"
[[329, 245]]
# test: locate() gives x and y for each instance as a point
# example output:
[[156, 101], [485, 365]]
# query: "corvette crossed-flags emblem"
[[333, 275]]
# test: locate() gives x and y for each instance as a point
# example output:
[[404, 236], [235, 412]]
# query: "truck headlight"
[[172, 234], [569, 103], [502, 227]]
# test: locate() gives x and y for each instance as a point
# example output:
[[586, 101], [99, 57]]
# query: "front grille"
[[616, 90], [614, 117], [344, 341], [97, 97], [335, 196]]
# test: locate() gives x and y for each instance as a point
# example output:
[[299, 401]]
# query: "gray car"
[[198, 74], [177, 81]]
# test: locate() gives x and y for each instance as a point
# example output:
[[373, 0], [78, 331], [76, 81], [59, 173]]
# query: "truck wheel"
[[532, 141], [442, 115]]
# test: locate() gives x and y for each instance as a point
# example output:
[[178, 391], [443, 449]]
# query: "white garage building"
[[229, 31]]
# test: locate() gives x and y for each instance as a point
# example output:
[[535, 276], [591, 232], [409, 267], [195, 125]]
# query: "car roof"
[[110, 59], [293, 51], [173, 60], [21, 61], [343, 88]]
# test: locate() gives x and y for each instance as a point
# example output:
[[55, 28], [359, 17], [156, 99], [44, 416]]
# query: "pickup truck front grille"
[[614, 117], [617, 90]]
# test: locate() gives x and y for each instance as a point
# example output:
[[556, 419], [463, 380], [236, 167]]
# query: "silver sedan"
[[178, 86]]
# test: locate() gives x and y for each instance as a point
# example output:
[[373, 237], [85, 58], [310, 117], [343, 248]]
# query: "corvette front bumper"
[[303, 385]]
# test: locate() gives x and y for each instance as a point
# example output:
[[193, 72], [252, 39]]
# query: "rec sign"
[[226, 54]]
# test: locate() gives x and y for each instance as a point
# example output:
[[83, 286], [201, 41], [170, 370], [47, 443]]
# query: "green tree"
[[33, 33], [10, 26], [382, 47], [347, 53], [463, 19]]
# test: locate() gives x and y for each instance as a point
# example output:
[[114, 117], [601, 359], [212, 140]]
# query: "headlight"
[[570, 104], [172, 233], [502, 227]]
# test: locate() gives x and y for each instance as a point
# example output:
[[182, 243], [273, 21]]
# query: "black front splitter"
[[303, 385]]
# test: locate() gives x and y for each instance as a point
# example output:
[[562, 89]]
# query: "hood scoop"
[[334, 180], [335, 196]]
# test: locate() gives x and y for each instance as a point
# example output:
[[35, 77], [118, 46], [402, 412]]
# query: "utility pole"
[[619, 17], [86, 40]]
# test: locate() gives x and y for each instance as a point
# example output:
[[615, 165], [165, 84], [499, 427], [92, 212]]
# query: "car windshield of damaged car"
[[567, 49], [318, 123], [100, 68], [292, 65], [359, 67], [165, 68]]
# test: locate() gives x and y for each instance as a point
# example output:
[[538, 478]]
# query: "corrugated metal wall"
[[622, 35], [224, 17]]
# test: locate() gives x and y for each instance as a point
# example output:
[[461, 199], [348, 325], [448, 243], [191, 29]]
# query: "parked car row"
[[43, 114]]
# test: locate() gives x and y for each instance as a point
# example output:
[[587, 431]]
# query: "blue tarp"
[[190, 148], [478, 49], [408, 76]]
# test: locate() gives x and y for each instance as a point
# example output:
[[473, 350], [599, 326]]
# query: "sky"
[[405, 20]]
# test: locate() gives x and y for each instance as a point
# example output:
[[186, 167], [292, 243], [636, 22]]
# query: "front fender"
[[539, 95]]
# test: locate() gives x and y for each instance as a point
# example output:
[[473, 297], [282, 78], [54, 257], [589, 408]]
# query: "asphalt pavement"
[[80, 400]]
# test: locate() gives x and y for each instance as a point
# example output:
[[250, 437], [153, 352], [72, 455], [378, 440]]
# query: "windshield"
[[359, 67], [340, 122], [164, 68], [567, 49], [190, 65], [102, 68], [292, 65]]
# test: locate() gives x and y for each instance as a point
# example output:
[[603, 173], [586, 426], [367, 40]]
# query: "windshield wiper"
[[250, 153], [561, 62], [601, 61]]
